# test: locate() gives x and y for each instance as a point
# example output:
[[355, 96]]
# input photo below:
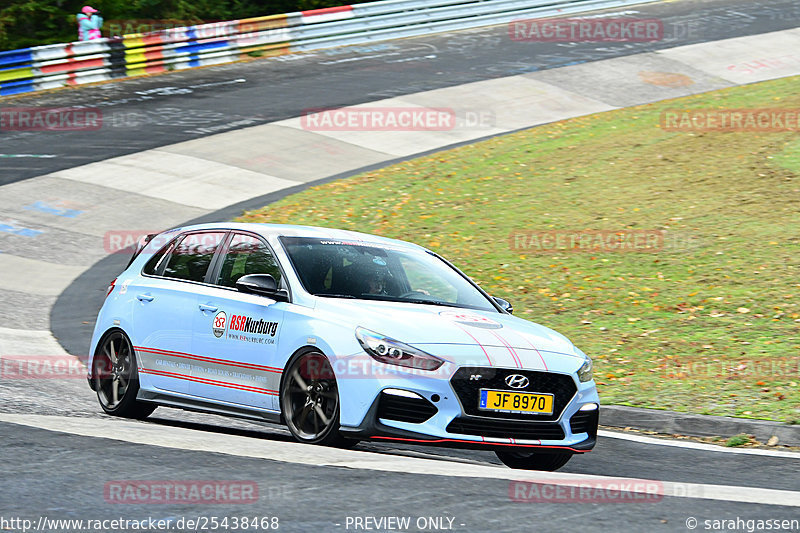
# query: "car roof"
[[289, 230]]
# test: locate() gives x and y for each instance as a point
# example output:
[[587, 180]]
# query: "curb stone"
[[672, 422]]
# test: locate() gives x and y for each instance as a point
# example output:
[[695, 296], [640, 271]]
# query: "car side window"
[[152, 267], [192, 256], [247, 255]]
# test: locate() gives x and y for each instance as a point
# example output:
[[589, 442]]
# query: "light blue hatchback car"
[[342, 337]]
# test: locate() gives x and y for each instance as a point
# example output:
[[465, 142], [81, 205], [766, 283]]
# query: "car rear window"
[[192, 256], [151, 268]]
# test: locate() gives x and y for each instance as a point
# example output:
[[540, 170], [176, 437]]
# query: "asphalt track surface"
[[63, 476], [146, 113], [57, 474]]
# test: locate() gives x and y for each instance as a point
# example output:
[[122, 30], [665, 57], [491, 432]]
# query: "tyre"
[[116, 379], [310, 401], [528, 460]]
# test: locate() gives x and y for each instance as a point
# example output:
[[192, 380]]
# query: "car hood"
[[463, 336]]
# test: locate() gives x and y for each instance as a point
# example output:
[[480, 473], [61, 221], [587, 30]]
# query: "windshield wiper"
[[329, 295], [434, 302]]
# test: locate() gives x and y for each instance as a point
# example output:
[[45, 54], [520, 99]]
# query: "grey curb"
[[671, 422]]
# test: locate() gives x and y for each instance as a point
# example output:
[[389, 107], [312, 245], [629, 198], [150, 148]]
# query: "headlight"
[[585, 371], [392, 352]]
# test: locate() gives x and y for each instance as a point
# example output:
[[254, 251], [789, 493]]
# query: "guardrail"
[[58, 65]]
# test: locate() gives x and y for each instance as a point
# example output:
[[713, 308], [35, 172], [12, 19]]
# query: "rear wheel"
[[533, 460], [115, 378], [310, 401]]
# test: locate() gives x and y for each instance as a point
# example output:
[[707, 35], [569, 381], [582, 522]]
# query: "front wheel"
[[310, 401], [533, 460], [116, 379]]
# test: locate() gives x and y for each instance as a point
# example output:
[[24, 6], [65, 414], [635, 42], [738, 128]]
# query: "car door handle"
[[209, 308], [145, 297]]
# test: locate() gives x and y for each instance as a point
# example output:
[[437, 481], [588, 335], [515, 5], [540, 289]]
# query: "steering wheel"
[[412, 293]]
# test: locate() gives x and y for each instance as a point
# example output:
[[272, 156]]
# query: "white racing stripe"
[[190, 439], [696, 445]]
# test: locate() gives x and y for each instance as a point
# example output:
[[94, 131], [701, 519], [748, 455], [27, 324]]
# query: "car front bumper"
[[444, 412]]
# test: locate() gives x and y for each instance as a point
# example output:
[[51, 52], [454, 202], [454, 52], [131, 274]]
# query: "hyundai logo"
[[517, 381]]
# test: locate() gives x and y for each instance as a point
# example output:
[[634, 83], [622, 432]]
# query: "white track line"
[[696, 445], [189, 439]]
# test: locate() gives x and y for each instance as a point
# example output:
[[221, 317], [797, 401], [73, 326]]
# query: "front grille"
[[506, 429], [403, 409], [584, 422], [561, 386]]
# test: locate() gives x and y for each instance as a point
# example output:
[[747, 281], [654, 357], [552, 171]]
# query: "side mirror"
[[504, 305], [263, 284]]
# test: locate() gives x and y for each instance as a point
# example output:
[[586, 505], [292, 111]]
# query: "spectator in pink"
[[89, 24]]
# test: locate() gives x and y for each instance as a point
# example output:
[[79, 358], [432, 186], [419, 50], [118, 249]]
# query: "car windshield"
[[350, 269]]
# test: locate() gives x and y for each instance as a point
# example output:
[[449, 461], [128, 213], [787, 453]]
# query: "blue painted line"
[[194, 47], [21, 81], [18, 230], [571, 63], [52, 210], [39, 156], [23, 55], [213, 44], [14, 67], [9, 89]]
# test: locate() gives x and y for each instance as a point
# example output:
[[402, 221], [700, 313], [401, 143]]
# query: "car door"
[[166, 304], [236, 334]]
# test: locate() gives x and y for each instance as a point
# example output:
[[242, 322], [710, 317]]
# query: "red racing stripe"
[[510, 349], [477, 442], [208, 359], [479, 344], [537, 351], [205, 381]]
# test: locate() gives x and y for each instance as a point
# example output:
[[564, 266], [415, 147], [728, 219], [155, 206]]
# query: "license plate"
[[515, 402]]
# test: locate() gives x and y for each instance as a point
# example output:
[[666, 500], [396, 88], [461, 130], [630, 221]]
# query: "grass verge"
[[709, 323]]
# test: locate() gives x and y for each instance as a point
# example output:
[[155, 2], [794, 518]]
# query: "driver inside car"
[[376, 281]]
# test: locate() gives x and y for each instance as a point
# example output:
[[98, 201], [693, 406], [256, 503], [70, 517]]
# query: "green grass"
[[709, 324], [738, 440]]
